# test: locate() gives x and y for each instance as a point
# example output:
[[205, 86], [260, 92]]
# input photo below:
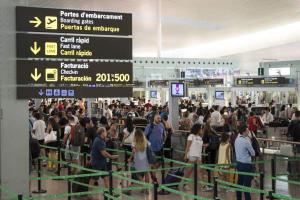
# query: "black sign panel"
[[217, 81], [156, 83], [62, 72], [262, 81], [30, 19], [72, 92], [69, 46]]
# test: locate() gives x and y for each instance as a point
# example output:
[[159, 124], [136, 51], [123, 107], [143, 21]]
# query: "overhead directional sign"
[[31, 19], [91, 91], [70, 46], [63, 72], [66, 43], [262, 81]]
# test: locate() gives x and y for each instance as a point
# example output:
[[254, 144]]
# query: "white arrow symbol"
[[35, 49], [36, 76], [36, 21]]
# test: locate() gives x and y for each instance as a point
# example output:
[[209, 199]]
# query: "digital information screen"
[[153, 94], [32, 19], [219, 95], [74, 57], [177, 89]]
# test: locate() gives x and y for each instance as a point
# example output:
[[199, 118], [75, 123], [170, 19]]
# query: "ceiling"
[[204, 28]]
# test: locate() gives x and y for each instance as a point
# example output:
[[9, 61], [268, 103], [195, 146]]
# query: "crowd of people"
[[214, 135]]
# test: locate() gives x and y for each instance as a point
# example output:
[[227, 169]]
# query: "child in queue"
[[193, 151]]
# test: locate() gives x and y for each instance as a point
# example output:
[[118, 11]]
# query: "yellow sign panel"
[[51, 75], [50, 48], [51, 22]]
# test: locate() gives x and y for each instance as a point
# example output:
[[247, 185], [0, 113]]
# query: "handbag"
[[51, 137], [150, 155]]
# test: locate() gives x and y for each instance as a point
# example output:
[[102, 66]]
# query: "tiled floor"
[[57, 187]]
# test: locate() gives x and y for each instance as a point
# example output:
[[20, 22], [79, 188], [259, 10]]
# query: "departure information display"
[[73, 53], [31, 19], [246, 81]]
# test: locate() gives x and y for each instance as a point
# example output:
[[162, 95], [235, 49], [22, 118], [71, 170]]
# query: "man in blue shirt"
[[99, 154], [244, 151], [154, 133]]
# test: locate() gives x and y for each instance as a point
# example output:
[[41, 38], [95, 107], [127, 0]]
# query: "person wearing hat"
[[244, 151]]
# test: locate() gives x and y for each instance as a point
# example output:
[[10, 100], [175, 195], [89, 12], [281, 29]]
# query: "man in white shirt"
[[39, 128], [267, 118], [216, 117], [108, 112]]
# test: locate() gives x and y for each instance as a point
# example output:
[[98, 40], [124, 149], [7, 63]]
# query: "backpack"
[[35, 148], [77, 136], [214, 142], [259, 123], [255, 145]]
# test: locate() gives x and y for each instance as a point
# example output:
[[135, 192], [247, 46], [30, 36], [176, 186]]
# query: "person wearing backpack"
[[193, 150], [73, 139]]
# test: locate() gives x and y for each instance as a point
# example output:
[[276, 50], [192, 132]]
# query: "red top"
[[251, 125]]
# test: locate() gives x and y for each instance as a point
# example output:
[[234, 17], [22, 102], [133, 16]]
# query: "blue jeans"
[[244, 180]]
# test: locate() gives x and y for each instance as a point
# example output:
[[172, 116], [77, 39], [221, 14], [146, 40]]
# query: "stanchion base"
[[39, 191]]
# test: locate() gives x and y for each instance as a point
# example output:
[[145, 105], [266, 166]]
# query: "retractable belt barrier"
[[110, 193]]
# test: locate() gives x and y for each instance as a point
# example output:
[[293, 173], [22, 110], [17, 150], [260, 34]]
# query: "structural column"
[[14, 132]]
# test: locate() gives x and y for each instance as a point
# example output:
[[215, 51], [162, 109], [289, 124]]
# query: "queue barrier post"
[[104, 195], [155, 191], [261, 184], [111, 183], [163, 166], [110, 164], [40, 190], [195, 179], [208, 171], [84, 159], [171, 156], [273, 171], [271, 195], [20, 197], [69, 182], [215, 188]]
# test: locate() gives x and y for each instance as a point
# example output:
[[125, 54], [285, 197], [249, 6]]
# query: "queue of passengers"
[[65, 124]]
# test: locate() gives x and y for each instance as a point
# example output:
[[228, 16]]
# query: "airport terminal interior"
[[149, 99]]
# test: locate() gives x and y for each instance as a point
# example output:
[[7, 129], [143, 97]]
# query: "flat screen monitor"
[[153, 94], [177, 89], [219, 95]]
